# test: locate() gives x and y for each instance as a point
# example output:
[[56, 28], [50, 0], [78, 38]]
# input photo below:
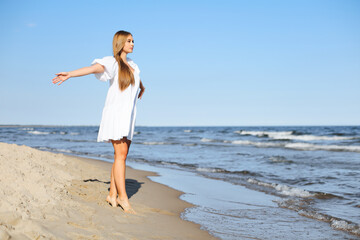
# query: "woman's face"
[[129, 44]]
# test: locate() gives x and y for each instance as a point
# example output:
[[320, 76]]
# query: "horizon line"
[[290, 125]]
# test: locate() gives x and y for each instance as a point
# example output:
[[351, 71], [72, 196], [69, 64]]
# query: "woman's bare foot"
[[125, 205], [111, 201]]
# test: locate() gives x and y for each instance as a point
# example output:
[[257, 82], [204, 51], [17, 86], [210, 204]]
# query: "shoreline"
[[59, 196]]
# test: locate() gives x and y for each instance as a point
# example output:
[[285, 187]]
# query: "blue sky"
[[202, 62]]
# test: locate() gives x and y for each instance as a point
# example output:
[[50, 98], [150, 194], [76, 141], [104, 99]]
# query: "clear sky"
[[209, 63]]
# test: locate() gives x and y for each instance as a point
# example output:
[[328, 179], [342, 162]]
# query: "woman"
[[119, 113]]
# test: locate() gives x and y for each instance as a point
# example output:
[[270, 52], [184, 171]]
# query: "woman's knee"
[[121, 152], [121, 148], [120, 156]]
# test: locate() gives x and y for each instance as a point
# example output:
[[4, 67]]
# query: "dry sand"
[[54, 196]]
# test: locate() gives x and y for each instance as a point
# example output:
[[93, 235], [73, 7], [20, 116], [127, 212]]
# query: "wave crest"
[[289, 135]]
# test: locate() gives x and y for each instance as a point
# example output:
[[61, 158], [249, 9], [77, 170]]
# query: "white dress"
[[119, 113]]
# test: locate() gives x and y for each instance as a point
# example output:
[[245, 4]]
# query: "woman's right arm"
[[63, 76]]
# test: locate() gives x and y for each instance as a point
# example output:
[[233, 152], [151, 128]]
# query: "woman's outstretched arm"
[[63, 76]]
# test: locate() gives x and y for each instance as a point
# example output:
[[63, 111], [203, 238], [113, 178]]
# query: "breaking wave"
[[304, 209], [289, 135], [283, 189], [299, 146], [156, 143], [35, 132], [38, 132]]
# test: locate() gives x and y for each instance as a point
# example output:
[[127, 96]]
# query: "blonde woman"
[[119, 113]]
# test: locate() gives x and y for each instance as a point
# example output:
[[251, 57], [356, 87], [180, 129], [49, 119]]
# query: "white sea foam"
[[27, 129], [315, 138], [38, 132], [154, 143], [188, 130], [74, 133], [309, 146], [136, 133], [207, 140], [264, 133], [63, 133], [169, 163], [64, 150], [257, 144], [336, 223], [283, 189], [345, 226], [299, 146], [287, 135], [202, 169], [312, 214]]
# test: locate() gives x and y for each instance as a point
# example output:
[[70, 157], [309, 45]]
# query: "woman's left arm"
[[63, 76], [142, 90]]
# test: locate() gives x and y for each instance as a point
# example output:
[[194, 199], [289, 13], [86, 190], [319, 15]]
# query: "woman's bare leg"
[[113, 191], [121, 148], [111, 198]]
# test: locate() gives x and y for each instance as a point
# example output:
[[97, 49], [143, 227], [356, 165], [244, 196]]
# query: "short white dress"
[[119, 113]]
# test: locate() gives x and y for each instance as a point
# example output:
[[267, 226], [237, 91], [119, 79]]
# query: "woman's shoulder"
[[107, 61], [109, 58]]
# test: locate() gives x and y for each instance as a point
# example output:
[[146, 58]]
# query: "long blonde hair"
[[126, 77]]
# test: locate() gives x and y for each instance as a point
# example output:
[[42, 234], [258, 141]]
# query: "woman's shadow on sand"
[[132, 185]]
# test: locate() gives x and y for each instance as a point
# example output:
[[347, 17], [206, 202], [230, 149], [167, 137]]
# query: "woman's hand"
[[61, 77], [142, 90]]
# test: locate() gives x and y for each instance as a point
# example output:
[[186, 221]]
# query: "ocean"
[[289, 182]]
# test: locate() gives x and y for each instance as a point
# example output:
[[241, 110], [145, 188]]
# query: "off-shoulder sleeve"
[[109, 64]]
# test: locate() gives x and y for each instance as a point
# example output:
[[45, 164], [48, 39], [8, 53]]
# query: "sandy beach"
[[55, 196]]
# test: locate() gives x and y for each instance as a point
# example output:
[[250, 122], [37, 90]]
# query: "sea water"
[[307, 176]]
